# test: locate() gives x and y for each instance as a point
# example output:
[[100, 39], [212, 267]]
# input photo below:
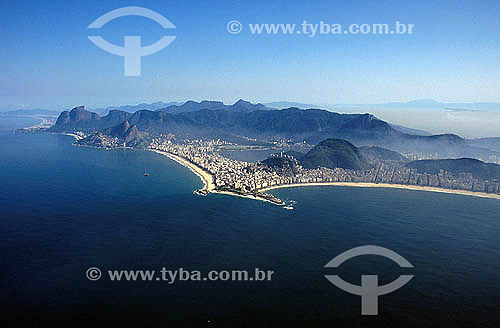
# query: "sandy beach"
[[386, 185], [206, 178], [210, 186]]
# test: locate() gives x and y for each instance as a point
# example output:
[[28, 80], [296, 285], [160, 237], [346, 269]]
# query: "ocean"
[[8, 123], [66, 209]]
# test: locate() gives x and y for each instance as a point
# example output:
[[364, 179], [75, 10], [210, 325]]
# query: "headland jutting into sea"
[[253, 180], [209, 186]]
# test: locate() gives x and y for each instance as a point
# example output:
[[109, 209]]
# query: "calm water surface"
[[65, 209]]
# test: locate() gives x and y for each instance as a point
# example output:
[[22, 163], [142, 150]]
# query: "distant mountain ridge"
[[135, 108], [427, 104], [243, 121], [193, 106], [478, 169], [288, 104]]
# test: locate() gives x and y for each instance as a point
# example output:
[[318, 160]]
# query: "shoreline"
[[47, 121], [386, 185], [206, 178], [209, 185]]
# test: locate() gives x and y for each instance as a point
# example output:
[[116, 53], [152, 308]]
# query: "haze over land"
[[246, 123], [314, 145], [457, 64], [468, 120], [188, 170]]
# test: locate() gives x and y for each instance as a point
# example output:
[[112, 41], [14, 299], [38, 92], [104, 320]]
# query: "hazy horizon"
[[354, 166], [90, 105], [50, 61]]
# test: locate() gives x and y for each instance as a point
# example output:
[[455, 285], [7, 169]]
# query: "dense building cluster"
[[250, 177], [99, 140], [227, 173]]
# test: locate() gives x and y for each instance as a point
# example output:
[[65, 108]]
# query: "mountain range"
[[243, 121], [135, 108], [241, 106], [188, 106], [338, 153], [81, 119]]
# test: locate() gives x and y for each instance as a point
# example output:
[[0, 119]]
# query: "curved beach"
[[206, 178], [209, 184], [386, 185]]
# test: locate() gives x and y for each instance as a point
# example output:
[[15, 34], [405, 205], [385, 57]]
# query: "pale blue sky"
[[452, 55]]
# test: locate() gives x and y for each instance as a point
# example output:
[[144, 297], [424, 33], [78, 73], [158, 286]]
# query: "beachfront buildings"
[[249, 177]]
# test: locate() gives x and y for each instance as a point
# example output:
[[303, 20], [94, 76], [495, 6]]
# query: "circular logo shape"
[[234, 27], [369, 290], [132, 51], [93, 274]]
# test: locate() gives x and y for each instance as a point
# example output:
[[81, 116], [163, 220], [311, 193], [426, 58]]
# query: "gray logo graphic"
[[369, 289], [132, 50]]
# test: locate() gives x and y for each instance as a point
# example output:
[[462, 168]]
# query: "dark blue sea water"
[[65, 209]]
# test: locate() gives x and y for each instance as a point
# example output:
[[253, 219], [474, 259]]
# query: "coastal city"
[[254, 178], [222, 174]]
